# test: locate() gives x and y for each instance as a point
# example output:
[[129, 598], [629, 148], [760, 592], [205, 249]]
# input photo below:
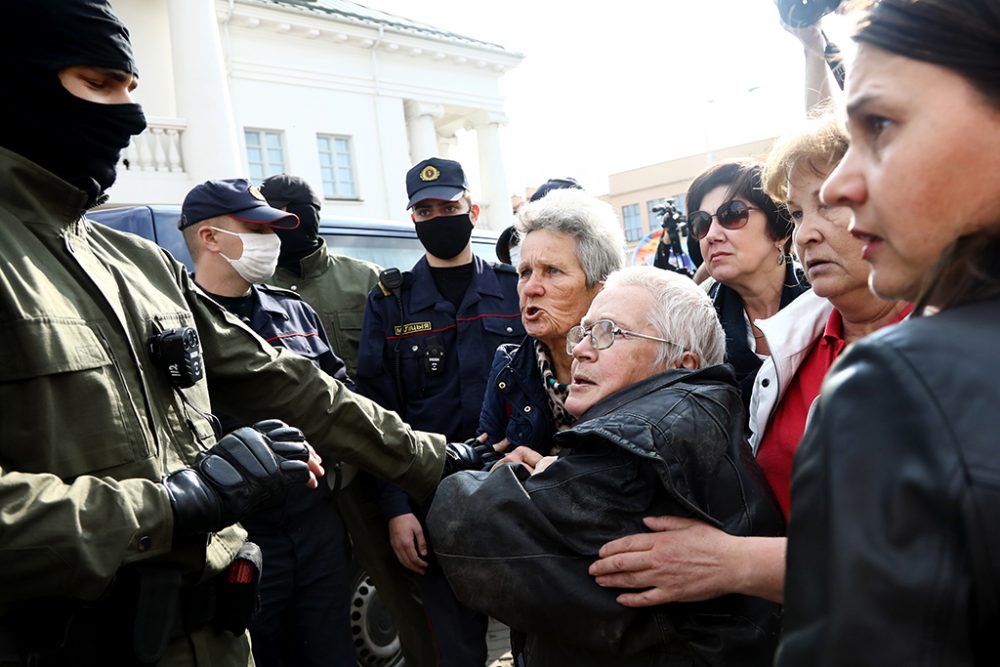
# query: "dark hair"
[[960, 35], [744, 179], [967, 272], [964, 37]]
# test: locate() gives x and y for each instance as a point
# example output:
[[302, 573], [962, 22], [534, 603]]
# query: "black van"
[[384, 243]]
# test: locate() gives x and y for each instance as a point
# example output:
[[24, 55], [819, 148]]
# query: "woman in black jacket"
[[660, 431], [894, 547], [745, 238]]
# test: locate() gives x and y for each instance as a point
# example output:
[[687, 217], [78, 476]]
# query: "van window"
[[400, 252]]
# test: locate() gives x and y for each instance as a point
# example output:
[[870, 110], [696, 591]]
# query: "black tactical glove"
[[286, 441], [468, 455], [241, 474]]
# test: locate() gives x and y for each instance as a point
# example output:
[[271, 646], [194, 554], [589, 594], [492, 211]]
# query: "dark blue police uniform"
[[429, 361], [447, 396], [305, 590]]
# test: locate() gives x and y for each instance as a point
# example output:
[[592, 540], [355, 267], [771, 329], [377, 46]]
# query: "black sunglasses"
[[731, 215]]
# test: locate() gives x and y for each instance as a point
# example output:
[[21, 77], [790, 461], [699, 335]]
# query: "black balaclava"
[[77, 140], [294, 195]]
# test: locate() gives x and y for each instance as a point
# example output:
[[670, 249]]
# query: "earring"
[[781, 257]]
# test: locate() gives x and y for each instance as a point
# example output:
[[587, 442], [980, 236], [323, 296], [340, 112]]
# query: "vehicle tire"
[[376, 640]]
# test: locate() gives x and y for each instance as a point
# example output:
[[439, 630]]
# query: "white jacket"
[[790, 333]]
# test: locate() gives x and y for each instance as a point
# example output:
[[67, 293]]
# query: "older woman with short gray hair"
[[570, 242], [653, 438]]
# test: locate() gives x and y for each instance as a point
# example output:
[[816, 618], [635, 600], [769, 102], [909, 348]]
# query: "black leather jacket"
[[894, 542], [518, 547]]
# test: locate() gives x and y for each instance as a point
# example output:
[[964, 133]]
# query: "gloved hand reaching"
[[247, 470], [473, 454]]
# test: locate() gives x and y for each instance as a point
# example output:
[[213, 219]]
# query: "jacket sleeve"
[[493, 416], [252, 380], [59, 538], [877, 570], [510, 552]]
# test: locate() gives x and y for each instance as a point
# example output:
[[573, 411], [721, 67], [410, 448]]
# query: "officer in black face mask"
[[427, 345], [80, 116]]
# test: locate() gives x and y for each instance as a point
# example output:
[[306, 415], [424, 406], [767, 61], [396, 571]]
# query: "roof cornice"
[[411, 39]]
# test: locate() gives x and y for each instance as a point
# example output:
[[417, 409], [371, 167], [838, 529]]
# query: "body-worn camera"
[[176, 352]]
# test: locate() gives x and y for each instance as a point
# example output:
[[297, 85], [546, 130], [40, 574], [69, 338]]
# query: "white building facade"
[[342, 95]]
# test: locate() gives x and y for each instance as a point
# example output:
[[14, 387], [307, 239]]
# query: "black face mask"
[[447, 236], [302, 241], [85, 140]]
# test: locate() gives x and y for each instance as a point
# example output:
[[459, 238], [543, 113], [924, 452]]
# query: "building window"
[[336, 166], [265, 153], [633, 222]]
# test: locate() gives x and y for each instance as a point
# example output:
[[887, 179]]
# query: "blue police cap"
[[435, 178], [236, 197]]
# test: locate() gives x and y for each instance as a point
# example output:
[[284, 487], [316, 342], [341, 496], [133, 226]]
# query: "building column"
[[495, 199], [209, 143], [420, 128], [446, 145]]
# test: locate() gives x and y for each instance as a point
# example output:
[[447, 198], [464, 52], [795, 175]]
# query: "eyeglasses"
[[731, 215], [602, 335]]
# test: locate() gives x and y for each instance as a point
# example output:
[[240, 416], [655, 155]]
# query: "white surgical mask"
[[259, 258], [515, 256]]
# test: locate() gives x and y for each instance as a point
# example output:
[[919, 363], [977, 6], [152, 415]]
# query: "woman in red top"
[[808, 338], [688, 560]]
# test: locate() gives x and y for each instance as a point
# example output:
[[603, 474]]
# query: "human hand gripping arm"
[[686, 560], [526, 456]]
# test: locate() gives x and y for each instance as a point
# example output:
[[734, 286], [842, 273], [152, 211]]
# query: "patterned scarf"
[[555, 392]]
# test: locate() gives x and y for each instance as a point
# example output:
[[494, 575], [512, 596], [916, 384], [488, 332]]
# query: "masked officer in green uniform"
[[337, 288], [119, 505]]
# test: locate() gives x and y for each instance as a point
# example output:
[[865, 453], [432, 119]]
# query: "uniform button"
[[502, 385], [294, 287], [510, 329], [766, 382], [527, 408], [415, 348], [145, 543]]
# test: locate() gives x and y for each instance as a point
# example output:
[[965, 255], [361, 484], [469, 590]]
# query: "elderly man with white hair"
[[660, 432]]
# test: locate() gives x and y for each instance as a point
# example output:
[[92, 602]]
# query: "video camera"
[[670, 253]]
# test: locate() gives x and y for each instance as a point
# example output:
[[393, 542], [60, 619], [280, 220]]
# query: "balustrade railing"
[[158, 148]]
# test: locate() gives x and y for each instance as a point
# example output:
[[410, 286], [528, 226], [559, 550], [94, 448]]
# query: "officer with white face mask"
[[304, 588]]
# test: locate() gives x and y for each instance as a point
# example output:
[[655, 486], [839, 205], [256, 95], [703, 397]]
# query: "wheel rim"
[[376, 640]]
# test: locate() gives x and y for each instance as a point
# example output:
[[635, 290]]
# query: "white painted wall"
[[302, 74]]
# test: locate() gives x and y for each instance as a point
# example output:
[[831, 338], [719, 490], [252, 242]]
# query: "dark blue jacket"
[[515, 406], [443, 354], [283, 319]]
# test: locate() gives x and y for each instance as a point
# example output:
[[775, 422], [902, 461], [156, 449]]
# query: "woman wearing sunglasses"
[[745, 238], [805, 338], [894, 547], [659, 430]]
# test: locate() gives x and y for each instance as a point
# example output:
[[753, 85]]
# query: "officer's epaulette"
[[274, 289], [504, 268]]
